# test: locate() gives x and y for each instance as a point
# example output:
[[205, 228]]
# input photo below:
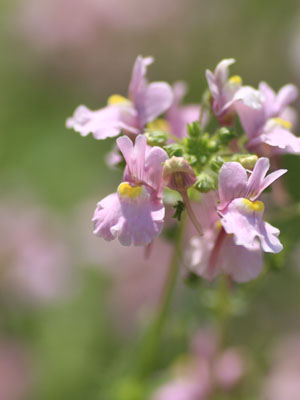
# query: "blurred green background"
[[59, 54]]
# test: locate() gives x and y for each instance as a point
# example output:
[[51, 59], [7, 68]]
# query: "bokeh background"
[[71, 305]]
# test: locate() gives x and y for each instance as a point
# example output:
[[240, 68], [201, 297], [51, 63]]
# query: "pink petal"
[[134, 221], [240, 263], [138, 75], [156, 98], [232, 182], [247, 227], [286, 95], [256, 178], [248, 96], [221, 71], [252, 120], [269, 98], [134, 156], [283, 139], [104, 123], [153, 169]]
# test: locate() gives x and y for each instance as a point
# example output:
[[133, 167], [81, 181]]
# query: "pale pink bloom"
[[194, 383], [227, 366], [216, 252], [15, 372], [283, 381], [269, 128], [135, 214], [145, 102], [205, 369], [227, 92], [34, 257], [240, 211], [178, 115]]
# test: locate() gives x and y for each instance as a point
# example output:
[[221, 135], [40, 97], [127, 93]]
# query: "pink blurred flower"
[[178, 115], [206, 368], [15, 371], [269, 128], [145, 102], [227, 93], [134, 214], [283, 380], [33, 255]]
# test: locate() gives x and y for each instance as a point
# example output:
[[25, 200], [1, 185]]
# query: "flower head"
[[145, 102], [135, 213], [216, 252], [269, 128], [228, 92], [240, 211]]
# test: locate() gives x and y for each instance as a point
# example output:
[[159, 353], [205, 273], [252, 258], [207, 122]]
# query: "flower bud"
[[178, 174], [174, 149], [156, 138], [225, 135], [194, 129], [248, 162], [205, 183], [216, 164]]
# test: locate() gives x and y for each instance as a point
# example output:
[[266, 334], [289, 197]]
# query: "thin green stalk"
[[151, 342]]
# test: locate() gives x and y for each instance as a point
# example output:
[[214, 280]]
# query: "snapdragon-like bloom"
[[145, 102], [228, 92], [271, 125], [134, 214], [240, 211], [216, 252], [178, 115]]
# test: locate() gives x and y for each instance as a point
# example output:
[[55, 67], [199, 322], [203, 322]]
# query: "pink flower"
[[34, 255], [216, 252], [16, 371], [240, 211], [178, 115], [204, 370], [228, 92], [283, 381], [271, 125], [134, 214], [145, 102]]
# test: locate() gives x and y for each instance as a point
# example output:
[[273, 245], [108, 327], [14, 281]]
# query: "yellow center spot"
[[126, 190], [218, 225], [257, 206], [283, 122], [159, 124], [117, 99], [235, 79]]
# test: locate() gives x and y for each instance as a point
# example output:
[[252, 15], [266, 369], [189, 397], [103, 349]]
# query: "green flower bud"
[[194, 129], [225, 135], [216, 164], [174, 149], [212, 146], [248, 162], [205, 183], [156, 138]]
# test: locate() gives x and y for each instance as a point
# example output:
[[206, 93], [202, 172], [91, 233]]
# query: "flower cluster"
[[193, 150]]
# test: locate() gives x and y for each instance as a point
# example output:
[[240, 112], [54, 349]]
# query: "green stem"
[[151, 342]]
